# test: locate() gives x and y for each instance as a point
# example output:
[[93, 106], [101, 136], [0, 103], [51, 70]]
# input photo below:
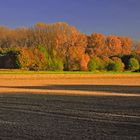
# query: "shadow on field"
[[94, 88], [59, 117]]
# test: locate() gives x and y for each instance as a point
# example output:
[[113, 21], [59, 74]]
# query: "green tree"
[[115, 66], [133, 64], [92, 65]]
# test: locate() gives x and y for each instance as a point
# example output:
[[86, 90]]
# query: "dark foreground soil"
[[60, 117]]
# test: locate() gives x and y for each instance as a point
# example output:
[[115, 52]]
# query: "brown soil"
[[50, 107], [119, 85]]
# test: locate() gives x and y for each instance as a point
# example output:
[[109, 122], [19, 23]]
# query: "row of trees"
[[60, 46]]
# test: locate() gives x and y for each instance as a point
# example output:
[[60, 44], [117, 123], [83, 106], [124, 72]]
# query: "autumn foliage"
[[60, 46]]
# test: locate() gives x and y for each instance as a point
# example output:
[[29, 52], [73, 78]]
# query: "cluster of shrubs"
[[117, 64], [39, 59], [30, 59]]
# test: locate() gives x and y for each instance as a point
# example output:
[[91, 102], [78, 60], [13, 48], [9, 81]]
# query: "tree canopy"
[[60, 46]]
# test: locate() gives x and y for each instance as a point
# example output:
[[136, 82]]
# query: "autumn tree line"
[[59, 46]]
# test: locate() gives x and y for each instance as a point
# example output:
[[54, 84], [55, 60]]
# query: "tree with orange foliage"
[[69, 43], [74, 49], [113, 45], [126, 44], [137, 47], [26, 58], [96, 44]]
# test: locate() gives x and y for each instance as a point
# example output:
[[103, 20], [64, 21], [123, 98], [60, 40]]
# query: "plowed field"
[[69, 107]]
